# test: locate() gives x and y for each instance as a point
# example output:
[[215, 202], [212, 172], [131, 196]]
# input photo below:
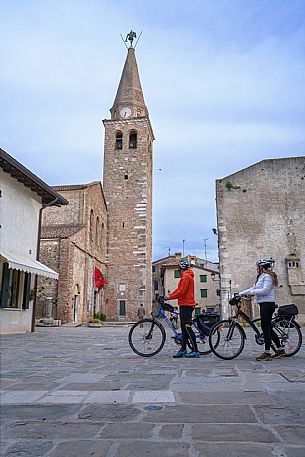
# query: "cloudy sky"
[[224, 81]]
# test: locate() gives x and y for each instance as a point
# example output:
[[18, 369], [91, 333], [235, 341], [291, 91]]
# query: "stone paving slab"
[[82, 448], [51, 429], [203, 414], [234, 450], [20, 397], [233, 432], [122, 396], [82, 392], [31, 448], [292, 434], [157, 396], [165, 449]]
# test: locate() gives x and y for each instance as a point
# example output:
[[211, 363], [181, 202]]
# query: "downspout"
[[37, 258]]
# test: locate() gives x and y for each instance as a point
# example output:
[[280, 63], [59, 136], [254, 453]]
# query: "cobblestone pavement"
[[80, 392]]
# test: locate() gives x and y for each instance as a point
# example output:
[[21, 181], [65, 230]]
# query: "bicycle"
[[227, 337], [147, 338]]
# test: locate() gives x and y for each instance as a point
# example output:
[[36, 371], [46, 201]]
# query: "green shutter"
[[5, 286], [203, 278], [177, 274], [26, 291], [203, 293]]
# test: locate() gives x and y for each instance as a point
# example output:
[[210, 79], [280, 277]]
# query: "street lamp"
[[205, 248], [183, 241]]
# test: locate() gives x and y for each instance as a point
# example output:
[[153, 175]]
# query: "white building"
[[206, 276], [22, 198]]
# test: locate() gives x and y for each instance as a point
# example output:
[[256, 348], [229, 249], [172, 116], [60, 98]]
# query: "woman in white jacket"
[[264, 291]]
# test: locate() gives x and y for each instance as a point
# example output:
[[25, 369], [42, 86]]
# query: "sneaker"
[[279, 353], [192, 354], [179, 354], [264, 356]]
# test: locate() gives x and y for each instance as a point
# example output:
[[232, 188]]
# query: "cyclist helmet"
[[184, 264], [267, 263]]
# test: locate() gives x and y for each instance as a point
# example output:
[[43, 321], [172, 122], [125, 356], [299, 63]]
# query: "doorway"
[[122, 308]]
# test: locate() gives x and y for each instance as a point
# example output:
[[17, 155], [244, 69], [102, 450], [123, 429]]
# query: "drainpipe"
[[37, 258]]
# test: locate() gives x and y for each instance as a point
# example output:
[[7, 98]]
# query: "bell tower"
[[127, 183]]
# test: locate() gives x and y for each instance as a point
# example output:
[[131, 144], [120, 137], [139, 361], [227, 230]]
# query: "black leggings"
[[267, 309], [186, 328]]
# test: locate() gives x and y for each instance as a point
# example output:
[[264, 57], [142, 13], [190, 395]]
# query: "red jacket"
[[185, 290]]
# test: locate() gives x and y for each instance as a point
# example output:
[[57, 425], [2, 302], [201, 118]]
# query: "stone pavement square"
[[82, 392]]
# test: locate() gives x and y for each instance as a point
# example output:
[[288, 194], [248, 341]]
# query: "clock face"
[[125, 112]]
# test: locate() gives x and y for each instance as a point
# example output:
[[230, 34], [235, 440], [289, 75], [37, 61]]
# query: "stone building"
[[74, 242], [128, 192], [206, 276], [261, 213]]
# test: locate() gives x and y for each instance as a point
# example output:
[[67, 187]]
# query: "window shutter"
[[5, 286], [26, 291]]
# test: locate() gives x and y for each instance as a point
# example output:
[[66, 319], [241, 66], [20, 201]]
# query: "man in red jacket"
[[185, 295]]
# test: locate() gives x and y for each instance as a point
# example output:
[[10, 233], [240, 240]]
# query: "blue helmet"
[[184, 264]]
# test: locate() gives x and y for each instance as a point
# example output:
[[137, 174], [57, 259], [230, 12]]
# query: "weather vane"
[[130, 37]]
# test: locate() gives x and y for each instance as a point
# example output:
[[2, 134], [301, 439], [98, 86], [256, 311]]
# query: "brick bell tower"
[[128, 191]]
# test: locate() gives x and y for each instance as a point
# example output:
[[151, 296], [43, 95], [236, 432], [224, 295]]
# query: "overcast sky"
[[224, 82]]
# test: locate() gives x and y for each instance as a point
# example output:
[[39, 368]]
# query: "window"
[[154, 268], [119, 140], [126, 176], [133, 140], [156, 285], [15, 291], [203, 293], [203, 278], [97, 231], [177, 274], [91, 226]]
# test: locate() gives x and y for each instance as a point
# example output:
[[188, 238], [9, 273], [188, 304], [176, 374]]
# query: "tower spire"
[[129, 93]]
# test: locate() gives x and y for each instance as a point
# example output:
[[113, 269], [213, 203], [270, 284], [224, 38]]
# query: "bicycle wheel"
[[147, 338], [289, 334], [227, 339]]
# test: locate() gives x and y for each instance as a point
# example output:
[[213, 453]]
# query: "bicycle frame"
[[178, 335]]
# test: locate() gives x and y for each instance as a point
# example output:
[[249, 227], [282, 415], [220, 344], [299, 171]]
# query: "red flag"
[[99, 279]]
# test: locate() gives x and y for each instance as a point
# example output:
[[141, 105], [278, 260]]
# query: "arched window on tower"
[[133, 139], [119, 140], [91, 226], [97, 231]]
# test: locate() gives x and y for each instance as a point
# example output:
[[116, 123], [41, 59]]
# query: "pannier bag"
[[205, 322], [288, 310]]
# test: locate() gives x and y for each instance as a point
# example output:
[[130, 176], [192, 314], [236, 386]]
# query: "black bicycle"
[[227, 337], [147, 337]]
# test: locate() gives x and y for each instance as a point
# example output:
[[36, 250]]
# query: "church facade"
[[74, 245]]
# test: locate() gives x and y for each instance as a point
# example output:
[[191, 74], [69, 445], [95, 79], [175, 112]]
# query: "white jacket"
[[263, 289]]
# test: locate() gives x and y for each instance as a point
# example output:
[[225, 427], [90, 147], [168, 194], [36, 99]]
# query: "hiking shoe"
[[264, 356], [279, 353], [179, 354], [192, 354]]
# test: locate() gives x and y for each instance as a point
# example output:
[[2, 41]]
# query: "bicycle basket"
[[288, 310], [205, 322], [168, 307]]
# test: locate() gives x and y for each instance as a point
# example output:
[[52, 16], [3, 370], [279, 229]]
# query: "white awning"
[[19, 262]]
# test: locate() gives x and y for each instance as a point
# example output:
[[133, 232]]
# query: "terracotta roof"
[[28, 179], [75, 186], [59, 231]]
